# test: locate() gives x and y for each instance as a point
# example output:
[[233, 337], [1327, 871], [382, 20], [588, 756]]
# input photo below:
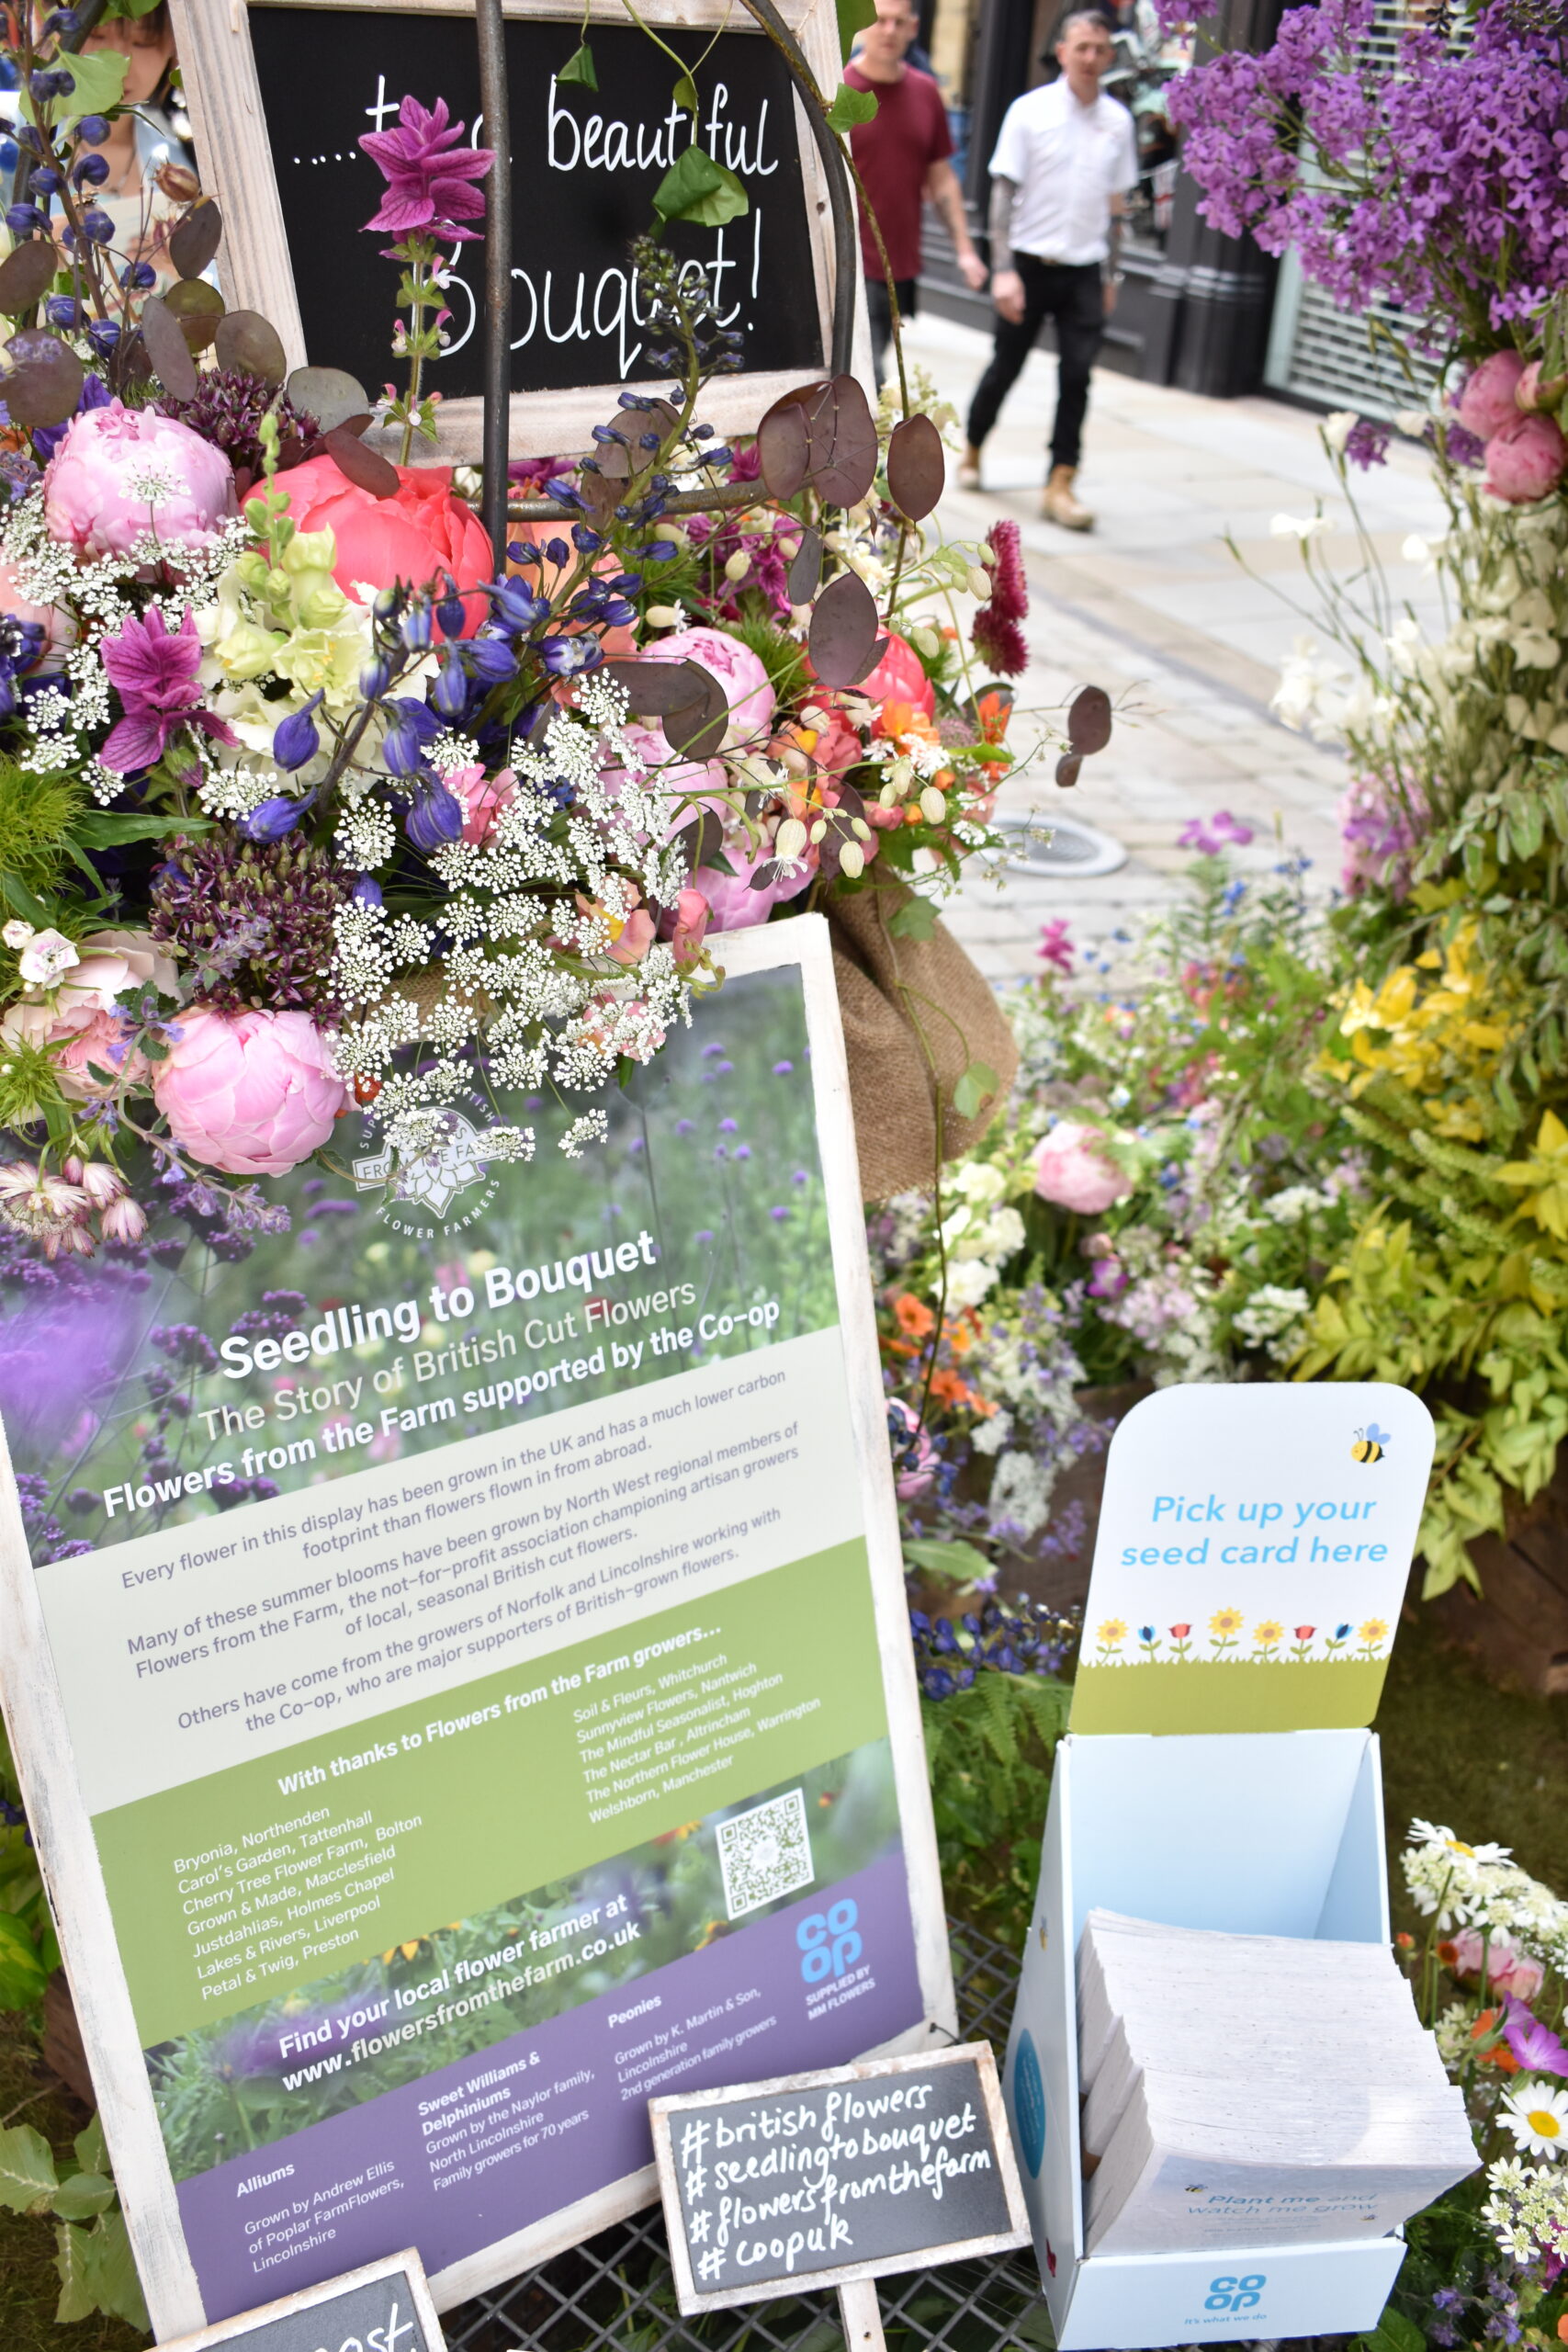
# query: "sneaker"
[[1059, 503], [969, 468]]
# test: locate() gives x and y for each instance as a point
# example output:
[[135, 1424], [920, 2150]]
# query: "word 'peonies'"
[[252, 1093], [1072, 1170], [420, 537], [121, 473]]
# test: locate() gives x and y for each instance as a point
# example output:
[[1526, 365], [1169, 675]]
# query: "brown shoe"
[[1059, 503], [969, 468]]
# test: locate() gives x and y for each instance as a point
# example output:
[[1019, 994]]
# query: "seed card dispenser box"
[[1252, 1553]]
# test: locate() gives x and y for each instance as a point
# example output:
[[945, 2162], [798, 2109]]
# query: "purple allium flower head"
[[427, 182]]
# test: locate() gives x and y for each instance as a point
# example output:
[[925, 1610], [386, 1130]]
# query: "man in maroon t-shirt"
[[901, 156]]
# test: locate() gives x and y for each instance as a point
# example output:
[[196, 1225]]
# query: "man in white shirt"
[[1064, 165]]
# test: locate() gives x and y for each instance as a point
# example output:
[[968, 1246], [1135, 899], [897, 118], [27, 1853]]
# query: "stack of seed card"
[[1254, 2090]]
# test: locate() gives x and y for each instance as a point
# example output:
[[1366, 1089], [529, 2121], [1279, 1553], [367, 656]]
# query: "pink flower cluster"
[[995, 632], [59, 1212]]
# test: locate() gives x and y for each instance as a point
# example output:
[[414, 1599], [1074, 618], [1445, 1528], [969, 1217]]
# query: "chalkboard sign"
[[836, 2177], [385, 2307], [280, 96]]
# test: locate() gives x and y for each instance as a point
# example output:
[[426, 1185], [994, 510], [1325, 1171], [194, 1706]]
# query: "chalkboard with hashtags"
[[585, 166]]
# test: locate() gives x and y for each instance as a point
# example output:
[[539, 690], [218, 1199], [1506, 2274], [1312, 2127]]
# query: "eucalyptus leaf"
[[167, 349], [783, 443], [842, 637], [1068, 769], [806, 567], [198, 307], [44, 380], [329, 394], [365, 466], [917, 467], [1089, 719], [26, 274], [194, 241], [253, 347]]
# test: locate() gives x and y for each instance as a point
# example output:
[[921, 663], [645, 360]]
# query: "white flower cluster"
[[536, 914], [1482, 1887], [1528, 2209], [1274, 1319], [978, 1236]]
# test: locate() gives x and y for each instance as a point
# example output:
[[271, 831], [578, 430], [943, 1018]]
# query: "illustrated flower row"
[[1226, 1626]]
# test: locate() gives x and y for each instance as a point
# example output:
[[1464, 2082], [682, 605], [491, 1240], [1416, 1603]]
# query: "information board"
[[846, 2174], [385, 2307], [278, 147], [488, 1649]]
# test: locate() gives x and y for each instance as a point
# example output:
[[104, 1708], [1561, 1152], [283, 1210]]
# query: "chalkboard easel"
[[383, 2307], [837, 2178]]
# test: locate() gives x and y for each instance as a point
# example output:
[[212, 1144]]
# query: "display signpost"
[[385, 2307], [485, 1659]]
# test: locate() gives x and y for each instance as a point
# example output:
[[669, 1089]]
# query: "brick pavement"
[[1153, 606]]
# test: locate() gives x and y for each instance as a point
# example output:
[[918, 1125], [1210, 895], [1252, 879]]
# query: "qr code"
[[766, 1853]]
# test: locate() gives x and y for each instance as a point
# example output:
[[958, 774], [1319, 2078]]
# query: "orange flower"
[[1502, 2057], [949, 1388], [912, 1315]]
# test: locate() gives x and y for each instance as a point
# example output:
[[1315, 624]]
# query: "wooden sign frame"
[[62, 1825], [848, 2276], [239, 2331], [235, 157]]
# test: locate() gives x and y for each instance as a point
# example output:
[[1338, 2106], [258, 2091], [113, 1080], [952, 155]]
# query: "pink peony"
[[59, 627], [1525, 459], [737, 669], [693, 915], [1508, 1970], [1072, 1170], [421, 535], [1487, 400], [735, 905], [1529, 393], [252, 1093], [899, 676], [120, 473]]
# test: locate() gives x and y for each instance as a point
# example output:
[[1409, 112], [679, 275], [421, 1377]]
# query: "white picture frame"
[[41, 1734], [247, 2331]]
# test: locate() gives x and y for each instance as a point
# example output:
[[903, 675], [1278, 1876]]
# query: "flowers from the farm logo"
[[437, 1190]]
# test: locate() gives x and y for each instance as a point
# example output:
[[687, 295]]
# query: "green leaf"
[[578, 68], [685, 95], [28, 2178], [1394, 2333], [696, 188], [915, 920], [978, 1085], [106, 829], [92, 2151], [22, 1974], [851, 106], [114, 2278], [945, 1559], [17, 895], [85, 2194], [73, 2260], [100, 77]]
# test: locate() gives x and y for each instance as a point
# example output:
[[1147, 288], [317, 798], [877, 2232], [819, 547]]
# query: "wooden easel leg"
[[862, 2316]]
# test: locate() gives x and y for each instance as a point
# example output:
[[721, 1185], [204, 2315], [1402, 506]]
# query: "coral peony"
[[747, 689], [252, 1093], [899, 676], [1072, 1170], [422, 535], [1486, 402], [121, 473], [1525, 459]]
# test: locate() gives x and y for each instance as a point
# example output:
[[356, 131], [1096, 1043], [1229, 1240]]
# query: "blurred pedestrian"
[[902, 158], [1064, 163]]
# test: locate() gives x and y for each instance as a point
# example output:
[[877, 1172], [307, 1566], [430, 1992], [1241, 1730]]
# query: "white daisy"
[[1537, 2115]]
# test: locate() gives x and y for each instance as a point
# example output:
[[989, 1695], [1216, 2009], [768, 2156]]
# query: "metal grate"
[[616, 2294]]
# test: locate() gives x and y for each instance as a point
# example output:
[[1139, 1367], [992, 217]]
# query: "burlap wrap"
[[894, 1077]]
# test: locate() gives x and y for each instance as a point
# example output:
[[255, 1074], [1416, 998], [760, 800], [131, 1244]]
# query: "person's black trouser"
[[1073, 294], [881, 315]]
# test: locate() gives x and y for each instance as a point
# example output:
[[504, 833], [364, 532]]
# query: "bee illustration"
[[1370, 1443]]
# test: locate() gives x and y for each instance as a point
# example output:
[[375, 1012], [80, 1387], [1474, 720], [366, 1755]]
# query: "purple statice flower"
[[1366, 444], [154, 670], [427, 182]]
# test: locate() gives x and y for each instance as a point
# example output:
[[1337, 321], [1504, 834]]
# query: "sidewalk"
[[1153, 606]]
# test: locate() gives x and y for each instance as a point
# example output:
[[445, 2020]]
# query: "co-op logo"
[[1235, 2294], [829, 1942]]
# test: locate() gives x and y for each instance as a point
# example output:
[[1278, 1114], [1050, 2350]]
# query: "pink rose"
[[120, 473], [737, 669], [252, 1093], [483, 798], [82, 1042], [110, 963], [1525, 459], [1487, 400], [1073, 1170]]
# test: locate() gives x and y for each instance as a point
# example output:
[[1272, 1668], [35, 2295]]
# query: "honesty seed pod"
[[791, 839], [934, 804]]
